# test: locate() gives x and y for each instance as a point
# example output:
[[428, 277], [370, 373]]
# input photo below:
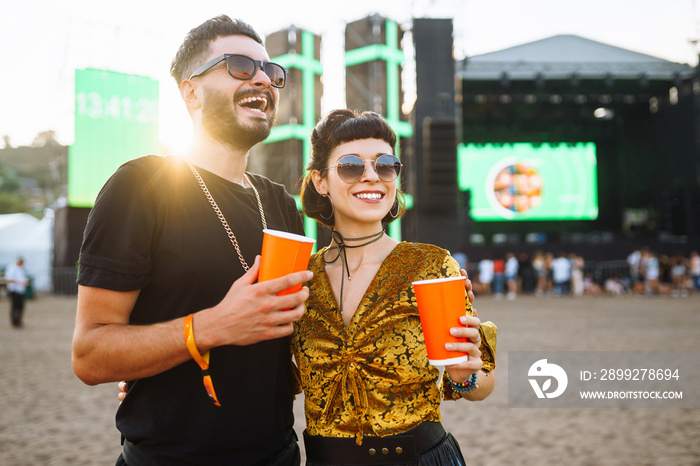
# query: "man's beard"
[[224, 125]]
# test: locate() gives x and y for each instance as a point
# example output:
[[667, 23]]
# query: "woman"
[[577, 267], [370, 395], [539, 265]]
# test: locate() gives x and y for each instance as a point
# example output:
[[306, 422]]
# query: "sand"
[[48, 417]]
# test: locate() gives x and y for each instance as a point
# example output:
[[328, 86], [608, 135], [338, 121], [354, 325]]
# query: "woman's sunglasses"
[[244, 67], [351, 167]]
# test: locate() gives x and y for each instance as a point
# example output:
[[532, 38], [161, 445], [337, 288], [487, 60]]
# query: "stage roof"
[[567, 56]]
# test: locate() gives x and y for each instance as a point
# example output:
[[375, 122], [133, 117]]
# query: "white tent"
[[22, 235]]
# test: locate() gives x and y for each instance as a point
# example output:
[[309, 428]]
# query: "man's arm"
[[106, 348]]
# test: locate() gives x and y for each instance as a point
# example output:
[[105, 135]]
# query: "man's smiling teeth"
[[369, 196], [259, 102]]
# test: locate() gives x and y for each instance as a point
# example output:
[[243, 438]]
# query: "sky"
[[42, 42]]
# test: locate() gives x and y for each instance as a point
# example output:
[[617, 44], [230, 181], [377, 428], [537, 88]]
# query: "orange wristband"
[[201, 360]]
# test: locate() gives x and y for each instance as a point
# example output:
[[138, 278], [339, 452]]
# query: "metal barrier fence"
[[602, 270]]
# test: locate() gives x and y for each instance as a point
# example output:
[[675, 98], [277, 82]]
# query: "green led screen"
[[524, 181], [116, 119]]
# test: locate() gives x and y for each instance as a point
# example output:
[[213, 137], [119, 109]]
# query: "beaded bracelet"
[[471, 384]]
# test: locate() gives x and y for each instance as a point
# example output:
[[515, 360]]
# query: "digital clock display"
[[116, 120]]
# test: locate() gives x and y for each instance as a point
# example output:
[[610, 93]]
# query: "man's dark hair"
[[193, 50]]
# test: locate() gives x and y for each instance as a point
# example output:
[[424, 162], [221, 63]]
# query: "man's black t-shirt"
[[152, 229]]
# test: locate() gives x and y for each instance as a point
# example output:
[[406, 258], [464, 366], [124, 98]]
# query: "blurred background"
[[543, 125]]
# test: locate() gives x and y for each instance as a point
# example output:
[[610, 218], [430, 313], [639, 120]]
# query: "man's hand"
[[252, 312]]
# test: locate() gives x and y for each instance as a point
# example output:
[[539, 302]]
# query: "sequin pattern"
[[373, 377]]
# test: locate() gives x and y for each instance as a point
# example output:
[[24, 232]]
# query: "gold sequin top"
[[372, 378]]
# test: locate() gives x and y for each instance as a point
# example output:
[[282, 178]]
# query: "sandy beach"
[[48, 417]]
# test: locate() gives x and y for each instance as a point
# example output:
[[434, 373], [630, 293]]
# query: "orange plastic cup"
[[284, 253], [441, 302]]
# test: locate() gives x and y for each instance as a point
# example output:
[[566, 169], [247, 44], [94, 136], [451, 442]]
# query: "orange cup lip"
[[437, 280], [287, 235]]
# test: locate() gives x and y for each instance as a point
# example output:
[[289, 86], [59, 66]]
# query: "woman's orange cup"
[[284, 253], [441, 302]]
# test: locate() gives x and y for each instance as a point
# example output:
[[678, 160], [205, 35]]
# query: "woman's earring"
[[398, 208], [331, 201]]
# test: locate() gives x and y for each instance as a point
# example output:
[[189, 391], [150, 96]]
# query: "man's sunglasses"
[[244, 67], [351, 167]]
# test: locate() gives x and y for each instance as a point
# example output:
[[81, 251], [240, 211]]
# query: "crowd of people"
[[652, 273], [548, 274]]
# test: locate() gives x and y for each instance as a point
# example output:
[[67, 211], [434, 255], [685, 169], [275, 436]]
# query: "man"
[[162, 275], [485, 274], [17, 281], [634, 260], [511, 275], [561, 274]]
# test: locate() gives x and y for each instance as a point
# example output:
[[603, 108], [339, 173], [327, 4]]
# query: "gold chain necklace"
[[219, 214]]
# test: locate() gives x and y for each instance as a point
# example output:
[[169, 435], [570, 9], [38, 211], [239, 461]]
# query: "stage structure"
[[373, 65], [283, 156], [622, 127]]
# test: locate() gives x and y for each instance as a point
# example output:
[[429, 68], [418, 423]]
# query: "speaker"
[[300, 52], [440, 164], [435, 115], [282, 156], [281, 161], [372, 43]]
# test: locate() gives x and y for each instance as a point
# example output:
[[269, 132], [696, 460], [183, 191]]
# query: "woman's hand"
[[462, 371]]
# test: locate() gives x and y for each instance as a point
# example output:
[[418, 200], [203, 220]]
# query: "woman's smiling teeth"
[[369, 196]]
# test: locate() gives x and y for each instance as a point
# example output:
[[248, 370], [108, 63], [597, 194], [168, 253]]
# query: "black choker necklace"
[[341, 245]]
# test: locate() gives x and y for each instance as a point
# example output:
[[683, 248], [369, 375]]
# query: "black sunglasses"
[[351, 167], [244, 67]]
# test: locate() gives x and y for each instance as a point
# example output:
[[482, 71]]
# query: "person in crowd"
[[485, 276], [651, 270], [613, 285], [462, 259], [549, 283], [694, 268], [577, 265], [368, 387], [167, 297], [634, 261], [511, 275], [538, 264], [679, 275], [527, 280], [590, 287], [16, 280], [665, 281], [561, 274], [499, 280]]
